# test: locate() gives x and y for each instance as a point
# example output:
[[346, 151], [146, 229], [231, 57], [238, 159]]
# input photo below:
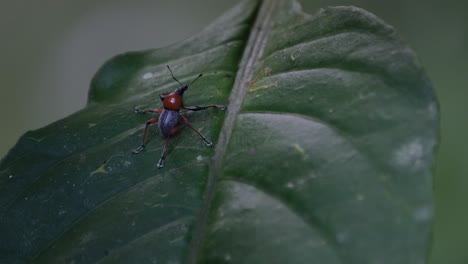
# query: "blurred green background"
[[50, 49]]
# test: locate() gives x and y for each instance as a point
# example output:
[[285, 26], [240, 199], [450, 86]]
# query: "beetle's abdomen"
[[167, 121]]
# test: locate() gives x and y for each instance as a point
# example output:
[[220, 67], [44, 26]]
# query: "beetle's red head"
[[172, 101]]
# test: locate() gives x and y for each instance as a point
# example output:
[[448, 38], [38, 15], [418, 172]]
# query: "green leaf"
[[324, 154]]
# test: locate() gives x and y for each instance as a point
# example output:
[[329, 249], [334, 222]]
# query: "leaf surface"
[[324, 154]]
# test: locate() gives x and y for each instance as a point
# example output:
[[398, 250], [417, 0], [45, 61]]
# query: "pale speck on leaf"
[[342, 237], [148, 75], [301, 150], [410, 155], [87, 237], [100, 169], [423, 214], [360, 197]]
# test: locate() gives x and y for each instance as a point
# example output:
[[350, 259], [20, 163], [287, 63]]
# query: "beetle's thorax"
[[173, 101]]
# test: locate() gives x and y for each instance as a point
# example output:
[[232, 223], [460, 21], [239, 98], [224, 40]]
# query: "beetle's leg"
[[150, 122], [146, 111], [203, 107], [187, 123], [164, 153]]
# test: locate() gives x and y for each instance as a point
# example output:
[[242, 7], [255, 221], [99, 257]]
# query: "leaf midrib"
[[252, 53]]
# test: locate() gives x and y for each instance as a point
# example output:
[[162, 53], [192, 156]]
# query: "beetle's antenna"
[[173, 76], [201, 74]]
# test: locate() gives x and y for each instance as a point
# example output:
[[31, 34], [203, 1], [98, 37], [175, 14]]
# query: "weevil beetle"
[[170, 116]]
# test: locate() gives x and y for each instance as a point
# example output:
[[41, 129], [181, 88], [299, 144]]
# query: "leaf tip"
[[111, 79]]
